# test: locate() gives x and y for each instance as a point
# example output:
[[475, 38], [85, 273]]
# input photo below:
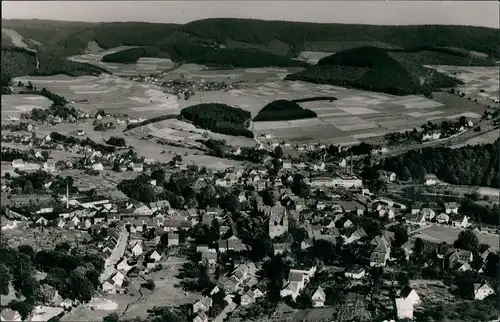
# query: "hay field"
[[183, 132], [109, 93], [476, 79], [355, 115], [485, 138], [440, 233], [196, 72], [144, 66], [16, 104]]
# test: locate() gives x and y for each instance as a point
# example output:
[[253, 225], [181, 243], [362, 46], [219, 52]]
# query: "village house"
[[280, 248], [355, 272], [442, 218], [459, 220], [98, 167], [430, 180], [137, 249], [204, 304], [233, 243], [201, 317], [404, 308], [451, 208], [415, 208], [10, 315], [49, 166], [173, 239], [387, 176], [319, 297], [17, 163], [482, 291], [459, 257], [410, 294], [381, 253]]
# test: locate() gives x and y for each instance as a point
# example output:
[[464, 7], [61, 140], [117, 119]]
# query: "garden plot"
[[448, 234], [471, 115], [425, 114]]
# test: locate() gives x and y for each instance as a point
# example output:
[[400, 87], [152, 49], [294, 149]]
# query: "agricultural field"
[[16, 104], [182, 132], [196, 72], [144, 66], [485, 138], [476, 79], [354, 116], [448, 234], [110, 93]]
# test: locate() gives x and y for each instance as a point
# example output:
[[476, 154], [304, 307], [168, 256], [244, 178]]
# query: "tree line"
[[470, 165]]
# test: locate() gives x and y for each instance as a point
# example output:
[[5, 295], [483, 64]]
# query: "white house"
[[451, 208], [137, 249], [155, 256], [98, 166], [18, 163], [430, 180], [460, 221], [443, 218], [482, 291], [404, 308], [204, 304], [10, 315], [410, 294], [319, 298], [356, 272]]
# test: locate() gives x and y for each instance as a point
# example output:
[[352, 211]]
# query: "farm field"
[[354, 116], [448, 234], [109, 93], [476, 79], [16, 104], [201, 72], [485, 138], [182, 132], [144, 65]]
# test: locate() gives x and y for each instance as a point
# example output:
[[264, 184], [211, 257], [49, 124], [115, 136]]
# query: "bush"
[[116, 141]]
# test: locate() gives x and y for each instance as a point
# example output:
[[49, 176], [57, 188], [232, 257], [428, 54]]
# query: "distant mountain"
[[257, 43], [279, 37], [376, 69]]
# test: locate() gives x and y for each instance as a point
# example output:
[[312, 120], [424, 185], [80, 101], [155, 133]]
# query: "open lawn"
[[448, 234], [109, 93], [16, 104]]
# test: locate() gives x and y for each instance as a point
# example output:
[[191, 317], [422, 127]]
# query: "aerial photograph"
[[265, 161]]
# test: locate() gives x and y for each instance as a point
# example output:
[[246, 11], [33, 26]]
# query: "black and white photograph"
[[250, 161]]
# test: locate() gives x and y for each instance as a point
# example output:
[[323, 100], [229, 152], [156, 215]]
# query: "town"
[[244, 179]]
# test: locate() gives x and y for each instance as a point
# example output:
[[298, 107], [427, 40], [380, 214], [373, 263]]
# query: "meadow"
[[15, 105], [481, 83], [112, 94]]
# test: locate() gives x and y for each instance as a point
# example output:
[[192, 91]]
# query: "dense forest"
[[471, 165], [21, 62], [212, 55], [281, 110], [286, 39], [219, 118], [375, 69], [132, 55]]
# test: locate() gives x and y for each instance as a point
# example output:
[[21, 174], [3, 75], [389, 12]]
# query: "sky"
[[477, 13]]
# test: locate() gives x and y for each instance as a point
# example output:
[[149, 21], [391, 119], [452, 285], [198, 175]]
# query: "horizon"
[[388, 13]]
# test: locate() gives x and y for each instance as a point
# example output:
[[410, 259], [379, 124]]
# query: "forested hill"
[[278, 37], [471, 165]]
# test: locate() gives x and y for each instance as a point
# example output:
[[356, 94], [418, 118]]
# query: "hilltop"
[[376, 69], [277, 37], [249, 43]]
